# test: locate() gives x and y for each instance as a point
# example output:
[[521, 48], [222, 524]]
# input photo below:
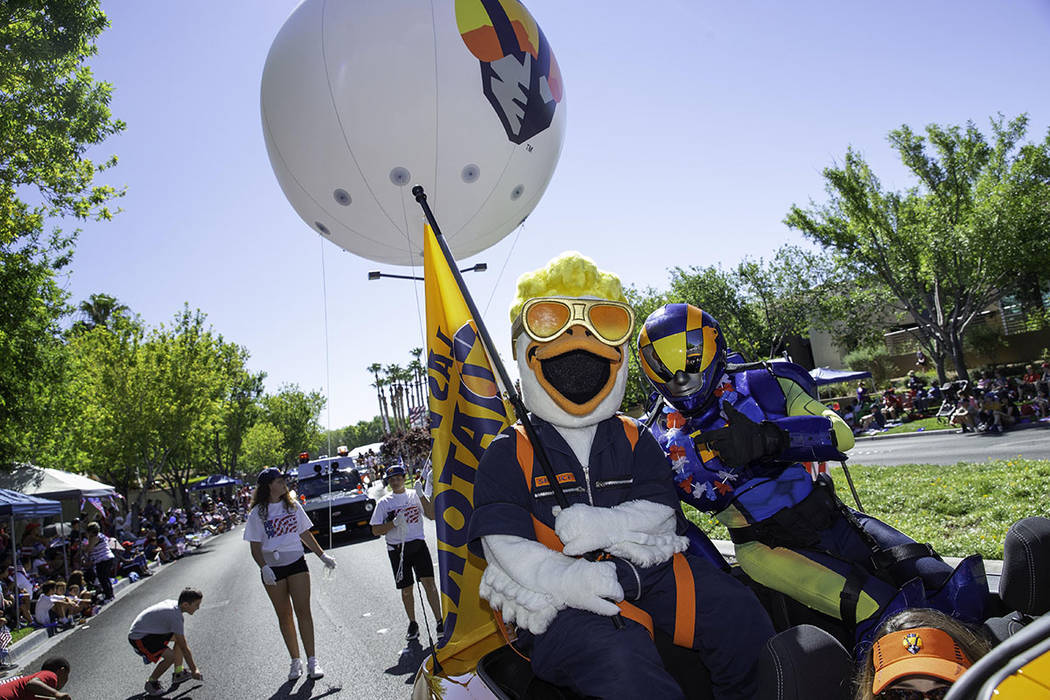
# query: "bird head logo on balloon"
[[519, 74], [571, 325]]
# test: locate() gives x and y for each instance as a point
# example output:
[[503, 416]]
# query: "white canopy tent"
[[53, 483]]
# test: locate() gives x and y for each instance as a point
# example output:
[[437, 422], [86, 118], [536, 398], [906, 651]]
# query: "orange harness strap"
[[546, 535], [685, 602]]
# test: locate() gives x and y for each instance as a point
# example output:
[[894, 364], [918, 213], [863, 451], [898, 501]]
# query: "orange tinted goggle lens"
[[611, 322], [546, 318]]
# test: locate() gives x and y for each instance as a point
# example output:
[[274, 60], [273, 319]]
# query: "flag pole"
[[490, 348]]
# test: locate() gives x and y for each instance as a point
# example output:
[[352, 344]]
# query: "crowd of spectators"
[[995, 401], [66, 571]]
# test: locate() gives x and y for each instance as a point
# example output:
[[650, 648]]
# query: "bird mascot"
[[588, 586]]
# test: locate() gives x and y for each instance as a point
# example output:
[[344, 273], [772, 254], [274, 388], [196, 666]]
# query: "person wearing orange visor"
[[917, 655]]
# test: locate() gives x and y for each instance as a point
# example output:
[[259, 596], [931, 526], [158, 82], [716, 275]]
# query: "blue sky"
[[692, 128]]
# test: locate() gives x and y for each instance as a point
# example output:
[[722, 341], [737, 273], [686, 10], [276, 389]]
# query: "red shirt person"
[[46, 683]]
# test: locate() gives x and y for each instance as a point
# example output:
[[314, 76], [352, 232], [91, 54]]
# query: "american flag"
[[417, 416], [283, 525]]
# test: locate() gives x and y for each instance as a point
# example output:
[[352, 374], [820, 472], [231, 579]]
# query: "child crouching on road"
[[399, 516], [154, 628]]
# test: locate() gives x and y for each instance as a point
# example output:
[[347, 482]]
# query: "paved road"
[[234, 637], [950, 447]]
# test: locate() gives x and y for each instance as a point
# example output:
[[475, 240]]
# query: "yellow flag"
[[466, 412]]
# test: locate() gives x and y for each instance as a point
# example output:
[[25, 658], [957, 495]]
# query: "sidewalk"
[[945, 431]]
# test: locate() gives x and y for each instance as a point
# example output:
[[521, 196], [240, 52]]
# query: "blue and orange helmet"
[[683, 353]]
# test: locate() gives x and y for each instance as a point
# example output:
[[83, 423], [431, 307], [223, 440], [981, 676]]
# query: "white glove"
[[399, 521], [530, 583], [328, 560], [421, 489], [268, 576], [642, 532]]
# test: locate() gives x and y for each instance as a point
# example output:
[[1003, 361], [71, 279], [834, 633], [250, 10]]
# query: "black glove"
[[744, 441]]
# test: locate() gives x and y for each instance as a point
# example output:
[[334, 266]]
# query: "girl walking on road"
[[277, 528]]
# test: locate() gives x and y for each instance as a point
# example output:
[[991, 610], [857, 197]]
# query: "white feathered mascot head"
[[570, 326]]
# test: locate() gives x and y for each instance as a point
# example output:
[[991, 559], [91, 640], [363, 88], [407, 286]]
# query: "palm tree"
[[375, 368], [417, 368], [98, 309], [394, 374]]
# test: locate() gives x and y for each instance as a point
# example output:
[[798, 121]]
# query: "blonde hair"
[[969, 639], [571, 274]]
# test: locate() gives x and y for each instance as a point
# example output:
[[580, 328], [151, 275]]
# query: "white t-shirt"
[[279, 535], [390, 506], [43, 609]]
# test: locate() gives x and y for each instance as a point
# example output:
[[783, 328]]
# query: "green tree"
[[975, 221], [51, 111], [295, 413], [263, 446]]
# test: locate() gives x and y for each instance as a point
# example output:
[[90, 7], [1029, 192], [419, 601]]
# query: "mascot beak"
[[576, 369]]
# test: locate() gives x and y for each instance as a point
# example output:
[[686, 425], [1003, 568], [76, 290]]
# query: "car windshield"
[[341, 481]]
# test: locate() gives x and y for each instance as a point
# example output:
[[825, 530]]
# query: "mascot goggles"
[[545, 318]]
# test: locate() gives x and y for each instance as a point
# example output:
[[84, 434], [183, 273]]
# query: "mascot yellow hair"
[[571, 274]]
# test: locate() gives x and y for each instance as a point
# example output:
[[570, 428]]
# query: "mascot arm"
[[815, 431], [642, 532], [529, 583]]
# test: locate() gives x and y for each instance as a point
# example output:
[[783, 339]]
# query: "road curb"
[[944, 431]]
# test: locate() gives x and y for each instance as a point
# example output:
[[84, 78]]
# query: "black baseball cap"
[[395, 470], [268, 475]]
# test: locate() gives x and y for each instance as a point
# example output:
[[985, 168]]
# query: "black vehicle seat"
[[804, 662], [1025, 584]]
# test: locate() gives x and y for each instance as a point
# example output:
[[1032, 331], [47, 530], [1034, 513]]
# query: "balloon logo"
[[361, 99], [519, 73]]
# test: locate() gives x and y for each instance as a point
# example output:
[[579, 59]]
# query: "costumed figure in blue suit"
[[736, 436]]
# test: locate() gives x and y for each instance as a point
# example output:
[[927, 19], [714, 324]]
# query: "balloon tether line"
[[490, 348], [328, 390]]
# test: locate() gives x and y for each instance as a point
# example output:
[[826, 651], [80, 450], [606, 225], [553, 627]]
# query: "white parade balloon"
[[362, 99]]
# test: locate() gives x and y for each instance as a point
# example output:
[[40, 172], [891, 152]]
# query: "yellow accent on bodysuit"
[[799, 403], [805, 580]]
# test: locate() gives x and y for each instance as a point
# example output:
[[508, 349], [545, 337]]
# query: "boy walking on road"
[[399, 516], [154, 628]]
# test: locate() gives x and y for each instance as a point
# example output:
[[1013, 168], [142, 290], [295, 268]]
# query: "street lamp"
[[376, 274]]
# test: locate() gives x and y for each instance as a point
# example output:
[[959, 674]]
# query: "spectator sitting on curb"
[[1030, 381], [46, 683], [875, 417], [991, 417], [964, 416], [1041, 404]]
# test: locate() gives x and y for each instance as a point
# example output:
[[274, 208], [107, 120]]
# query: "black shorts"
[[417, 559], [296, 567], [151, 646]]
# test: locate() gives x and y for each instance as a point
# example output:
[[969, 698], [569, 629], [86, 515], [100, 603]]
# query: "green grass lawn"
[[959, 509], [20, 633], [926, 424]]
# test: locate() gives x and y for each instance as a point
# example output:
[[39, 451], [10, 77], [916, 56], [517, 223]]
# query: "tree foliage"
[[295, 413], [975, 221], [51, 111]]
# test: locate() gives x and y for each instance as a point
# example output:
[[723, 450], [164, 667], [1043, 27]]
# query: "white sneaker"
[[313, 669], [295, 671]]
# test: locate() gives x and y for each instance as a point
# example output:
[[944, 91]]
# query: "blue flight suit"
[[585, 651], [790, 533]]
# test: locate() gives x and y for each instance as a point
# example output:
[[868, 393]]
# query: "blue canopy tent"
[[825, 375], [215, 481], [15, 505]]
